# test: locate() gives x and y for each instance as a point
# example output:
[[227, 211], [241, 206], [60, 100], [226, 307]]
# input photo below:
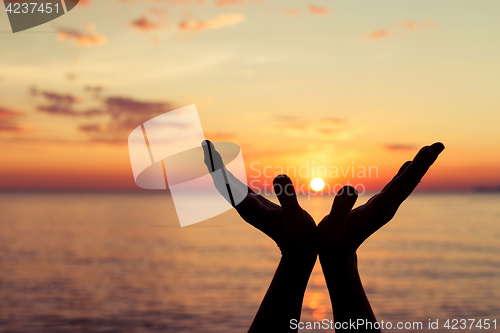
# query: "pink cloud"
[[318, 10], [399, 147], [292, 12], [222, 3], [220, 136], [378, 34], [412, 25], [219, 21], [9, 121], [144, 24], [180, 2], [84, 39]]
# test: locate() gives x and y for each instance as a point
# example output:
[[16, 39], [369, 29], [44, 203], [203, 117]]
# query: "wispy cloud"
[[94, 90], [223, 3], [292, 12], [9, 121], [220, 136], [406, 25], [113, 116], [81, 38], [170, 2], [219, 21], [122, 115], [413, 25], [319, 128], [144, 24], [399, 147], [318, 10], [378, 34], [61, 104]]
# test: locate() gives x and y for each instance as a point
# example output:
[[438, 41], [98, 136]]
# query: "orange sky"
[[291, 82]]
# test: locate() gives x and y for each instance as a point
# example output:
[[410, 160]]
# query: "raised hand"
[[293, 230], [343, 230], [291, 227]]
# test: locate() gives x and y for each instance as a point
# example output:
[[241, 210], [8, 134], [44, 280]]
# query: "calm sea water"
[[87, 262]]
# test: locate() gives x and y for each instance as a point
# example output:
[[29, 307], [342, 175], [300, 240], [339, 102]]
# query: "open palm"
[[291, 227], [343, 230]]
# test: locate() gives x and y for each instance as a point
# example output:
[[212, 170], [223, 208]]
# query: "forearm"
[[283, 300], [349, 301]]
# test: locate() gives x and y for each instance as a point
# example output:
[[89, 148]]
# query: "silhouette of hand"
[[291, 227], [341, 232]]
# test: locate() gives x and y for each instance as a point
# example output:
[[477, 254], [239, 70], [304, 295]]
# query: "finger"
[[402, 186], [407, 178], [437, 148], [343, 203], [403, 167], [211, 154], [284, 190], [254, 208], [213, 160]]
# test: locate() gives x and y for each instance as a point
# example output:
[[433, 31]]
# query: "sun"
[[317, 184]]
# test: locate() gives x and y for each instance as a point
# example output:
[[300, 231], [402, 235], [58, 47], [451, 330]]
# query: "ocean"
[[120, 262]]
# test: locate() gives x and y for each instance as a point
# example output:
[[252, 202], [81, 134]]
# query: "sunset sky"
[[340, 83]]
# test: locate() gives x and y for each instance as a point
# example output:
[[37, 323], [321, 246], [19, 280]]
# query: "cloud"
[[172, 2], [94, 90], [318, 10], [9, 121], [220, 136], [123, 115], [292, 12], [90, 128], [319, 128], [56, 97], [412, 25], [61, 104], [117, 115], [67, 111], [127, 113], [84, 39], [399, 147], [219, 21], [144, 24], [407, 25], [378, 34], [222, 3]]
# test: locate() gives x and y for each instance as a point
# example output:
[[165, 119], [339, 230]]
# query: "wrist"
[[302, 251], [338, 259], [299, 262], [300, 256]]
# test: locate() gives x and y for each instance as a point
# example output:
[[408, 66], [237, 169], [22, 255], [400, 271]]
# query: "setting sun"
[[317, 184]]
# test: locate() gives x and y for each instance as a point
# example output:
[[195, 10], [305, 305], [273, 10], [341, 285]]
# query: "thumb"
[[343, 203], [284, 190]]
